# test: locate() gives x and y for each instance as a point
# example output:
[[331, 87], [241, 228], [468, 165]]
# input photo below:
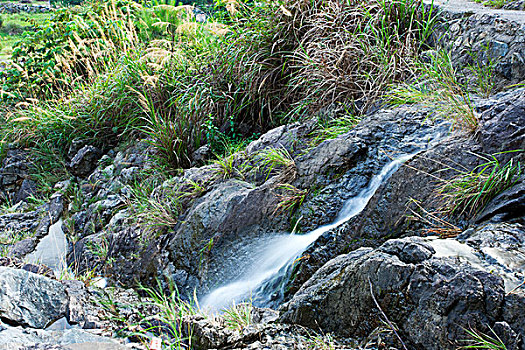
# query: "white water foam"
[[280, 252], [51, 250]]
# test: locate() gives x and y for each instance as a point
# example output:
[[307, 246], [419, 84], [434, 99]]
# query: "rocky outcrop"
[[491, 41], [30, 299], [432, 300], [13, 173], [401, 206], [39, 312], [12, 7], [85, 161]]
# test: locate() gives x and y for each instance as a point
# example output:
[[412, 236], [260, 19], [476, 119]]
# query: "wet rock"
[[231, 215], [507, 206], [213, 333], [430, 299], [399, 206], [502, 126], [85, 161], [30, 299]]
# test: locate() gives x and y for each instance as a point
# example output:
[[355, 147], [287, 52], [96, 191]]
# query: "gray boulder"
[[30, 299], [431, 300]]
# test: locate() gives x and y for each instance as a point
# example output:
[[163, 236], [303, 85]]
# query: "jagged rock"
[[27, 189], [513, 315], [30, 299], [232, 213], [393, 211], [431, 300], [516, 5], [502, 126], [285, 136], [22, 248], [34, 268], [13, 172], [213, 333], [85, 161], [482, 37], [17, 338], [201, 155]]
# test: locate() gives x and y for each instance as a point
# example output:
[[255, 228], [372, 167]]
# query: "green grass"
[[439, 89], [332, 128], [480, 340], [159, 314], [156, 73], [238, 316], [470, 191], [290, 198], [270, 159], [13, 27], [493, 3], [158, 209]]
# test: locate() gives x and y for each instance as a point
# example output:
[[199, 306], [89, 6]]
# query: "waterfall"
[[276, 257], [51, 250]]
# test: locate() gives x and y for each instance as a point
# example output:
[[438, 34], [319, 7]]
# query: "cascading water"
[[51, 250], [276, 257]]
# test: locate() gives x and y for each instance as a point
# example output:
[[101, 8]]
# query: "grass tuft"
[[238, 316], [479, 340], [439, 89], [469, 192]]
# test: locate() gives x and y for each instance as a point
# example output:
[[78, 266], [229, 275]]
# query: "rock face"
[[13, 172], [432, 300], [397, 207], [85, 161], [484, 38], [21, 7], [30, 299]]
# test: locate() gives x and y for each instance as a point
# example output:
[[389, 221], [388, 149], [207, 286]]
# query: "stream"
[[265, 279], [51, 250]]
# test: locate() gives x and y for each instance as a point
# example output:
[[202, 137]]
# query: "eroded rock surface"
[[30, 299], [432, 300]]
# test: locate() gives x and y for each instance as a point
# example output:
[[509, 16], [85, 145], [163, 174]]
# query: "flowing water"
[[51, 250], [264, 281]]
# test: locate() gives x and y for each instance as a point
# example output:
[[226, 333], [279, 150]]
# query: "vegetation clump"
[[469, 191], [104, 72]]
